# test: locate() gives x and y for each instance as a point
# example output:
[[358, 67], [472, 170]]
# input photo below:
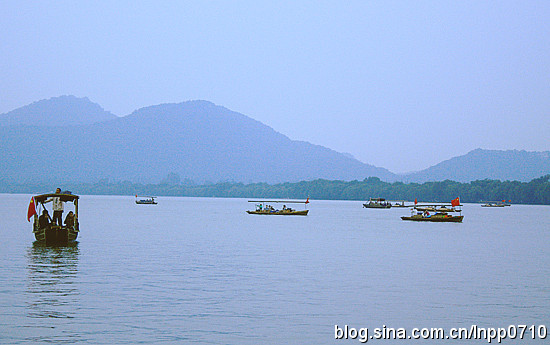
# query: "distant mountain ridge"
[[57, 111], [69, 138], [487, 164], [197, 140]]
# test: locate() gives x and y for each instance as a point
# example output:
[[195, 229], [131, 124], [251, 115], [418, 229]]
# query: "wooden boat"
[[438, 217], [421, 213], [502, 203], [54, 234], [148, 200], [264, 207], [492, 204], [280, 212], [377, 203]]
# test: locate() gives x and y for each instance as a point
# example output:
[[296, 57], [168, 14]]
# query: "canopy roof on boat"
[[64, 197]]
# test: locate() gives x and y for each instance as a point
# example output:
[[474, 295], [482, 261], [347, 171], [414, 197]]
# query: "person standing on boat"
[[57, 208]]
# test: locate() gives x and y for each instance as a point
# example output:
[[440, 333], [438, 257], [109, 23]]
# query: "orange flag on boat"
[[415, 201], [32, 210], [455, 202], [307, 201]]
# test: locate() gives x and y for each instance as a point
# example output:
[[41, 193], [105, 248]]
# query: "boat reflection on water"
[[52, 274]]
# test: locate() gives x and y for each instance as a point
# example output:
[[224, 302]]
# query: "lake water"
[[202, 271]]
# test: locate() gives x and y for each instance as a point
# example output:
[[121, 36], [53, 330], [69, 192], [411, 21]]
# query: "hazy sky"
[[398, 84]]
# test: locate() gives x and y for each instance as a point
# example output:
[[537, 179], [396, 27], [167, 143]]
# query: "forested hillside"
[[536, 191]]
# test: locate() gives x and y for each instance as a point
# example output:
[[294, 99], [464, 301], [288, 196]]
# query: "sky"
[[402, 85]]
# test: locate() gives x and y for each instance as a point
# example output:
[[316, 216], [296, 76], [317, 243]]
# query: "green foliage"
[[536, 191]]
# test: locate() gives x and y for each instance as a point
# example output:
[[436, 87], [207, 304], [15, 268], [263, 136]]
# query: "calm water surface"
[[201, 270]]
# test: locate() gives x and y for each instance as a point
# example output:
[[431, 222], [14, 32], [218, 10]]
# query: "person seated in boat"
[[44, 220], [426, 214], [69, 220]]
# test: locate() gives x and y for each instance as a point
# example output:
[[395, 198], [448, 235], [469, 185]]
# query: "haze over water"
[[201, 270]]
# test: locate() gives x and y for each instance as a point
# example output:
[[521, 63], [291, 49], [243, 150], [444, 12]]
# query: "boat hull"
[[376, 206], [280, 213], [451, 219], [56, 235]]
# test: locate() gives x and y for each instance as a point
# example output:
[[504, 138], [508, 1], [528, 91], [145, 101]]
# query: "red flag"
[[307, 201], [32, 210], [415, 201], [455, 202]]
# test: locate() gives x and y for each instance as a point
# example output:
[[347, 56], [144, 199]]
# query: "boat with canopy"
[[502, 203], [146, 200], [47, 231], [265, 207], [436, 212], [377, 203]]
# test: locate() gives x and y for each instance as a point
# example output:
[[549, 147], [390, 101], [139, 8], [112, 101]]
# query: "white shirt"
[[57, 203]]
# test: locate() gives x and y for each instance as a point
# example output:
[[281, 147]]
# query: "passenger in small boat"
[[69, 220], [44, 220]]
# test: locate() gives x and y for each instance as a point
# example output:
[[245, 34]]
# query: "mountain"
[[487, 164], [57, 111], [73, 139], [196, 140]]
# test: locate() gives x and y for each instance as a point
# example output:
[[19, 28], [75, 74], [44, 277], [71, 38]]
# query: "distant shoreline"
[[536, 192]]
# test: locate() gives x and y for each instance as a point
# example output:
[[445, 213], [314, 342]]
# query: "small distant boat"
[[440, 213], [423, 208], [377, 203], [264, 207], [502, 203], [438, 217], [45, 231], [433, 208], [444, 208], [148, 200], [400, 204], [492, 204]]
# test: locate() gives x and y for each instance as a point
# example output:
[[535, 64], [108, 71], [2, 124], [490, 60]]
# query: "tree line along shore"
[[536, 191]]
